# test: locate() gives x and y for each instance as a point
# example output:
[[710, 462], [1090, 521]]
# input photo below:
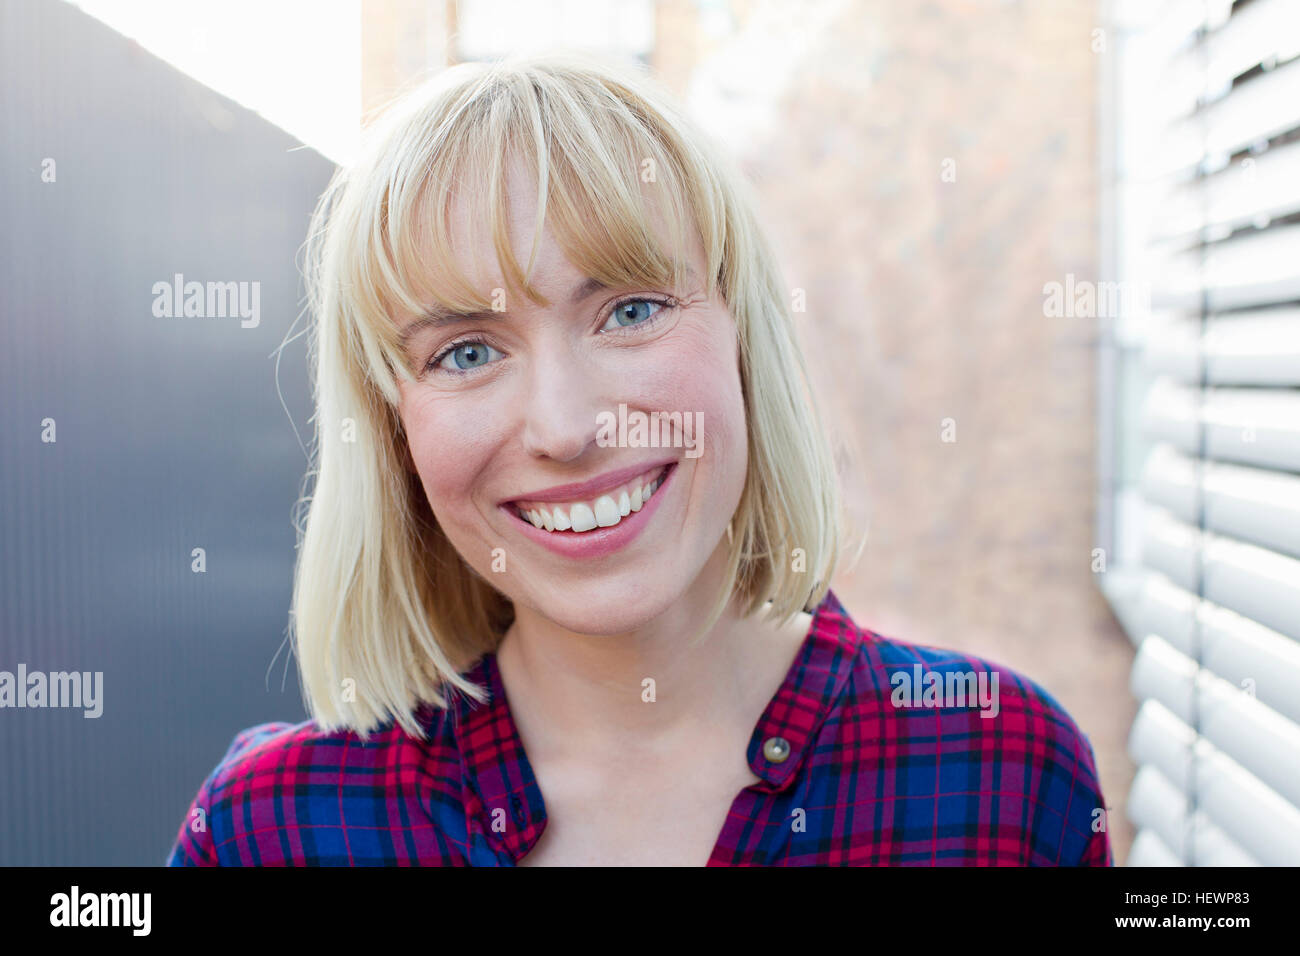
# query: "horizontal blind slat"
[[1250, 580], [1254, 269], [1258, 820], [1249, 732], [1232, 645], [1249, 504], [1255, 348], [1260, 109], [1149, 850], [1159, 807], [1247, 426], [1261, 31]]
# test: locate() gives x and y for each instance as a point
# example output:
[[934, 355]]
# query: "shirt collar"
[[810, 692], [498, 772]]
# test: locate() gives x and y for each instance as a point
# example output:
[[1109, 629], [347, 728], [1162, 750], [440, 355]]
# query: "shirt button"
[[776, 749]]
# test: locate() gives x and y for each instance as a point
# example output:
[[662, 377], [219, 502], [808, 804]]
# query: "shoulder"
[[979, 729], [919, 678], [295, 794]]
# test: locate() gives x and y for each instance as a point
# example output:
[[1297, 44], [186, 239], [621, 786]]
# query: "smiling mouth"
[[604, 511]]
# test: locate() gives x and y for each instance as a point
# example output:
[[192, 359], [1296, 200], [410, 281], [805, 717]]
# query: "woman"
[[567, 455]]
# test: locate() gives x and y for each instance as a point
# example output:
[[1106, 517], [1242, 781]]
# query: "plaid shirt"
[[855, 768]]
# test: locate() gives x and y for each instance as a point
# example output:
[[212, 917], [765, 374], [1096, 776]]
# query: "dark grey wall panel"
[[170, 433]]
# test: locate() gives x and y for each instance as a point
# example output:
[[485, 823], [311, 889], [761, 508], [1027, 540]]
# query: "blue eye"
[[631, 312], [469, 355], [465, 357]]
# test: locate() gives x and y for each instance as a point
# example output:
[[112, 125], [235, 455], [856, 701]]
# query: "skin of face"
[[526, 419]]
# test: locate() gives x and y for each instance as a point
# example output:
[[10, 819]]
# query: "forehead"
[[476, 240], [506, 236]]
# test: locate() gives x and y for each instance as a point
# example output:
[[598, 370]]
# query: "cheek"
[[695, 370], [449, 444]]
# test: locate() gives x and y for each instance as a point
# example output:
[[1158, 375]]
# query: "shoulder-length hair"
[[386, 615]]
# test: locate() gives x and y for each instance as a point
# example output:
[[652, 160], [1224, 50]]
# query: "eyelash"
[[667, 305]]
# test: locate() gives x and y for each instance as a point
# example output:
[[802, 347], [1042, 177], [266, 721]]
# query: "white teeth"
[[582, 517], [605, 511]]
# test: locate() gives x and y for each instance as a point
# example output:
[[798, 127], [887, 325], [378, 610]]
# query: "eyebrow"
[[437, 317]]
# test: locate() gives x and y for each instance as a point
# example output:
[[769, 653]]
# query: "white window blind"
[[1200, 495]]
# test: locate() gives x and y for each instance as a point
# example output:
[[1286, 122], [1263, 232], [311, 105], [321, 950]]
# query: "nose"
[[559, 405]]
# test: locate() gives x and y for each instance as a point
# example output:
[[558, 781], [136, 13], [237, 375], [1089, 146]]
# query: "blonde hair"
[[386, 614]]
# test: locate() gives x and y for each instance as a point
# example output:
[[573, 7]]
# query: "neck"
[[574, 693]]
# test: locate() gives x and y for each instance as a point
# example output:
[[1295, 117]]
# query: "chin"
[[601, 607]]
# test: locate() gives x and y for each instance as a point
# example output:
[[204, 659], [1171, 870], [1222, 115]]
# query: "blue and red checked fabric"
[[872, 777]]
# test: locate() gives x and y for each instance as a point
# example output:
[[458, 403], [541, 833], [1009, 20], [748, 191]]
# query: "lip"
[[592, 488], [599, 541]]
